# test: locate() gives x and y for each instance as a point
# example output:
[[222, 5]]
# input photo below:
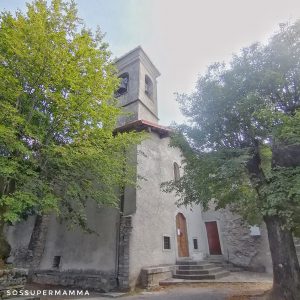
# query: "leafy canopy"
[[57, 115], [237, 115]]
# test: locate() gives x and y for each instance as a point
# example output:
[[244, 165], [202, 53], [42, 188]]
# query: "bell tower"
[[138, 87]]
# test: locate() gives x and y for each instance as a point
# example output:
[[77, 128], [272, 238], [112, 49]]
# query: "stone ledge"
[[151, 276], [85, 279], [11, 277], [159, 269]]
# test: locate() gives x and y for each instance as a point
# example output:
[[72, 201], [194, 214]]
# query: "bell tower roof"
[[134, 54]]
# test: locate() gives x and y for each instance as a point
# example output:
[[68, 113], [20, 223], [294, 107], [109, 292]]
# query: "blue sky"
[[121, 20], [181, 37]]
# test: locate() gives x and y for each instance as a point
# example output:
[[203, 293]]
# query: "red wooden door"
[[182, 238], [213, 238]]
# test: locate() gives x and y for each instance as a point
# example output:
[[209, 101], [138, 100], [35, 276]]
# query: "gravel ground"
[[205, 291]]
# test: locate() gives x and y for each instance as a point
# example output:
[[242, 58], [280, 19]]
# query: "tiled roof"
[[140, 125]]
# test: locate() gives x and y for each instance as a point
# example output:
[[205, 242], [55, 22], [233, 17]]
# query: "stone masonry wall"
[[242, 248], [12, 279], [238, 246], [29, 255], [123, 255], [85, 279]]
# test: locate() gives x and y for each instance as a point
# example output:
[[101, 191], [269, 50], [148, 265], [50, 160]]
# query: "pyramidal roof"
[[137, 53]]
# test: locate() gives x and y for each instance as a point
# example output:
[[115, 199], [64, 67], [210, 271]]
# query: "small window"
[[167, 243], [195, 242], [124, 79], [56, 262], [176, 172], [148, 87]]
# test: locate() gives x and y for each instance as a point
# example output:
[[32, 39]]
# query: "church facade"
[[148, 229]]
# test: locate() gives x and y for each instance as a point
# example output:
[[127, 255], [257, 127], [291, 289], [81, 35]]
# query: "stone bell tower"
[[138, 88]]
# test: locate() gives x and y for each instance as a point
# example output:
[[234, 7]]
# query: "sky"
[[181, 37]]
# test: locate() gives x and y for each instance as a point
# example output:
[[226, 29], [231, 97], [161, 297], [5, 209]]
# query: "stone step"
[[215, 258], [215, 275], [191, 262], [199, 271], [197, 267]]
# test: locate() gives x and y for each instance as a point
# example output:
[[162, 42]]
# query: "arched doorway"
[[182, 237]]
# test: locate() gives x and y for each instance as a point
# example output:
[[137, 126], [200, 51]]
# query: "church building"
[[148, 230]]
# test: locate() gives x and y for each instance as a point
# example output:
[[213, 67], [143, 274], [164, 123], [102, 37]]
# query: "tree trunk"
[[6, 186], [4, 245], [286, 270]]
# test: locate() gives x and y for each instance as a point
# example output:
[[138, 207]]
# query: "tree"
[[242, 145], [58, 147]]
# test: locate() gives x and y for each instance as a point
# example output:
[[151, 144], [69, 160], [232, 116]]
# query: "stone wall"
[[238, 246], [79, 250], [88, 260], [242, 248], [12, 278], [85, 279], [20, 257], [150, 277], [19, 237]]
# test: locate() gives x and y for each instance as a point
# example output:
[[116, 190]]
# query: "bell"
[[124, 83]]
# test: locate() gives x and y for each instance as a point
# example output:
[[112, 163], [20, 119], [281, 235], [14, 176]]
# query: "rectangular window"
[[195, 242], [56, 262], [167, 243]]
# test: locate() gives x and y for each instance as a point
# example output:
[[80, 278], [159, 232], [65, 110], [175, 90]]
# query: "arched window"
[[124, 79], [176, 172], [148, 87]]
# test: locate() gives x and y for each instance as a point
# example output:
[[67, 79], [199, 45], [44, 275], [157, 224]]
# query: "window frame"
[[56, 262], [150, 85], [163, 243], [122, 76], [195, 249]]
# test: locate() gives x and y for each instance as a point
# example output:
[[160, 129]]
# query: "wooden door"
[[213, 238], [182, 238]]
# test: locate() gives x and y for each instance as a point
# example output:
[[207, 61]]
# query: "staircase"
[[198, 270], [219, 261]]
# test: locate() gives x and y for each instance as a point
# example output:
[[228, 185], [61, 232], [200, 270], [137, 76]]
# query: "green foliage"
[[57, 116], [236, 115]]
